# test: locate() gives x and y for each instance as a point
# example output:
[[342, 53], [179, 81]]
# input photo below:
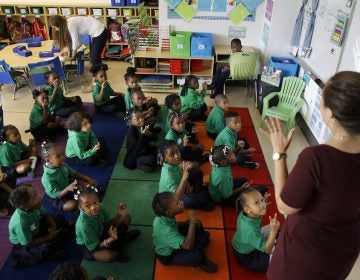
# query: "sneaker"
[[131, 235], [208, 266], [251, 164], [145, 168]]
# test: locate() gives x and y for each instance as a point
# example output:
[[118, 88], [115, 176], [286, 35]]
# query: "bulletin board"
[[332, 21]]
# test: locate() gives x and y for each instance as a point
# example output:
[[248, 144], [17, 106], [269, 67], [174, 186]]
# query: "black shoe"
[[145, 168], [131, 235], [250, 164], [209, 266]]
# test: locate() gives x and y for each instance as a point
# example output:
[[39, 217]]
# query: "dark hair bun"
[[97, 67]]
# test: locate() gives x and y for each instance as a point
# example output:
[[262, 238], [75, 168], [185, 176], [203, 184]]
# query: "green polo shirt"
[[11, 152], [56, 179], [248, 236], [81, 144], [170, 178], [221, 183], [127, 99], [59, 99], [25, 225], [166, 236], [89, 229], [36, 116], [176, 136], [108, 91], [227, 137], [215, 122], [191, 100]]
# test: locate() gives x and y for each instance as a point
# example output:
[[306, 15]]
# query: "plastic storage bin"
[[288, 66], [201, 44], [180, 43], [118, 3], [196, 65], [175, 66], [132, 2]]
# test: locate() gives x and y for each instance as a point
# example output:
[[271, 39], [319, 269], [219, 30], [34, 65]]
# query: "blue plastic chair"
[[39, 69], [10, 77]]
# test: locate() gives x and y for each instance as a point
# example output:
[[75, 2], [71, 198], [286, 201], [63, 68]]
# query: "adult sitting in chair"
[[223, 71]]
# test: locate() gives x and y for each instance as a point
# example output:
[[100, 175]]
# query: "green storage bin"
[[180, 43]]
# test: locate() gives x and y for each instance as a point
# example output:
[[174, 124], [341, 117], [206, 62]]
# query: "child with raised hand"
[[223, 188], [101, 238], [229, 136], [252, 244], [102, 93], [223, 71], [215, 122], [131, 81], [141, 153], [42, 122], [15, 154], [179, 243], [60, 181], [177, 133], [82, 146], [59, 104], [193, 102], [35, 235], [182, 179]]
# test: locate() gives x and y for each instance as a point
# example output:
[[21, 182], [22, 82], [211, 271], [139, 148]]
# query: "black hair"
[[75, 119], [47, 75], [130, 73], [231, 114], [170, 100], [46, 149], [341, 96], [5, 129], [164, 147], [84, 190], [129, 113], [68, 271], [218, 154], [236, 41], [36, 92], [19, 196], [172, 116], [161, 202], [187, 84], [136, 90], [97, 67], [243, 193]]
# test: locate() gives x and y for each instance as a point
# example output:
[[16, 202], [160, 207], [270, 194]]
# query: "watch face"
[[276, 156]]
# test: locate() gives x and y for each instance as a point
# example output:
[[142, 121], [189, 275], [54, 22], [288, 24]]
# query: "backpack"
[[40, 29], [115, 31], [4, 34]]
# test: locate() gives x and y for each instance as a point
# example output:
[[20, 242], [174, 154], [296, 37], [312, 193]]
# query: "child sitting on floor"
[[177, 133], [193, 102], [102, 238], [229, 136], [141, 153], [131, 81], [181, 178], [102, 92], [252, 244], [215, 122], [59, 104], [223, 188], [7, 184], [179, 243], [223, 71], [42, 123], [60, 181], [35, 235], [173, 104], [15, 154], [82, 145]]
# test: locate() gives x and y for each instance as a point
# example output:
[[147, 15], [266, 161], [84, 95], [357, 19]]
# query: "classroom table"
[[222, 52], [20, 62]]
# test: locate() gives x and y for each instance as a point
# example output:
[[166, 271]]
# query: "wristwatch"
[[277, 156]]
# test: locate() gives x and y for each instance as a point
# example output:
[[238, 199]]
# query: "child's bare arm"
[[190, 237], [274, 225]]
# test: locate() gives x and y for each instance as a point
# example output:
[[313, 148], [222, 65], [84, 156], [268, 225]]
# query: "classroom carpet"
[[137, 189]]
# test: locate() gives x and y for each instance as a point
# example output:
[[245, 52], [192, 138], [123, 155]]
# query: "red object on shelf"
[[196, 65], [175, 66]]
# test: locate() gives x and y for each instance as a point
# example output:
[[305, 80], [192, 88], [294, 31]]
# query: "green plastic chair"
[[290, 102], [243, 67]]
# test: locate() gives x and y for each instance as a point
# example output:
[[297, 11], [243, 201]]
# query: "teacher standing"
[[320, 238], [66, 32]]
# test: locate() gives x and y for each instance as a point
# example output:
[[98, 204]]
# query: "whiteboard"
[[325, 55]]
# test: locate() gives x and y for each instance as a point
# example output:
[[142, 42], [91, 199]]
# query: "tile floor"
[[17, 111]]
